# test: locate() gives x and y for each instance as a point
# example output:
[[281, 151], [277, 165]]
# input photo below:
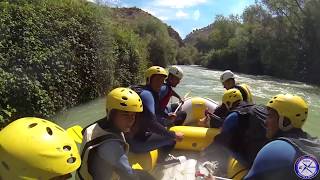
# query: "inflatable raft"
[[195, 139]]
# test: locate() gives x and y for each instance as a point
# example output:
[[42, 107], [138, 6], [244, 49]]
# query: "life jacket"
[[302, 142], [246, 93], [250, 137], [165, 100], [93, 136]]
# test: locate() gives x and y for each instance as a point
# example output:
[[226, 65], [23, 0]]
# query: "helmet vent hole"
[[71, 160], [44, 121], [298, 115], [306, 112], [122, 90], [33, 125], [303, 120], [5, 165], [67, 148], [124, 98], [139, 100], [286, 122], [59, 128], [130, 92], [270, 101], [49, 131], [123, 104], [274, 97]]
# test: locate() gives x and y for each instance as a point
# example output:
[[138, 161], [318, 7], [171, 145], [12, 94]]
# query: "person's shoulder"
[[277, 145], [145, 93], [232, 115], [109, 147], [276, 156], [279, 152]]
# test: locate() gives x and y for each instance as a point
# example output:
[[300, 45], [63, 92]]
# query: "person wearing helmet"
[[166, 92], [279, 159], [104, 148], [149, 131], [228, 80], [34, 148], [243, 130]]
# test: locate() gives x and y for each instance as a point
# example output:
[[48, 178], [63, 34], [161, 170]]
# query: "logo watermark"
[[306, 167]]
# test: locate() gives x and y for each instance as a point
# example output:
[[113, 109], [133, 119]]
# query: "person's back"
[[251, 132], [243, 130]]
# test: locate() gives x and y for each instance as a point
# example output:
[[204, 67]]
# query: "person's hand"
[[181, 101], [172, 116], [179, 136], [210, 177], [203, 122]]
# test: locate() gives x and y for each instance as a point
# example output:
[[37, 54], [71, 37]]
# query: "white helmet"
[[226, 75], [176, 71]]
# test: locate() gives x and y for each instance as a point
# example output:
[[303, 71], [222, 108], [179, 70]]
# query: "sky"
[[186, 15]]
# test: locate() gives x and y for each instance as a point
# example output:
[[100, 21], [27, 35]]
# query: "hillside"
[[203, 33], [135, 15]]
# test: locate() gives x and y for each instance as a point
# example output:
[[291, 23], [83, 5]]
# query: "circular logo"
[[306, 167]]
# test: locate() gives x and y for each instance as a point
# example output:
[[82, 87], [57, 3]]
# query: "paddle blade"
[[75, 133]]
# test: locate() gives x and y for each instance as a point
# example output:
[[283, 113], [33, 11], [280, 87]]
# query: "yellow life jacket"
[[246, 93]]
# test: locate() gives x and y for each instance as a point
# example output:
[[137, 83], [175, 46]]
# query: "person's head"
[[155, 77], [122, 104], [34, 148], [227, 79], [286, 112], [231, 98], [175, 75]]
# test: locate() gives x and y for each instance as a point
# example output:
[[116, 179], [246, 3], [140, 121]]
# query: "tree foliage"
[[56, 54], [278, 38]]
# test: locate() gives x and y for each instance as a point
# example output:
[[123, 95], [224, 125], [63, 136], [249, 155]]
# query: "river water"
[[205, 83]]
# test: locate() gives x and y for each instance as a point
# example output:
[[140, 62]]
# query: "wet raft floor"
[[186, 170]]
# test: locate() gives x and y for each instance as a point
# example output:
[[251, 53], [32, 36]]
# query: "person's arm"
[[112, 152], [149, 110], [274, 161], [176, 95], [229, 126], [163, 91]]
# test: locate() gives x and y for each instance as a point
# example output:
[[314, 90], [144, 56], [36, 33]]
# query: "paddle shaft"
[[180, 103]]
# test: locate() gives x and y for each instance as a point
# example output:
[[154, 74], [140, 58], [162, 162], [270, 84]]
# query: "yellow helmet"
[[231, 96], [123, 99], [34, 148], [155, 70], [289, 106]]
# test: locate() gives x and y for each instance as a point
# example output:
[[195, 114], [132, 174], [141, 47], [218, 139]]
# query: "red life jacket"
[[165, 100]]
